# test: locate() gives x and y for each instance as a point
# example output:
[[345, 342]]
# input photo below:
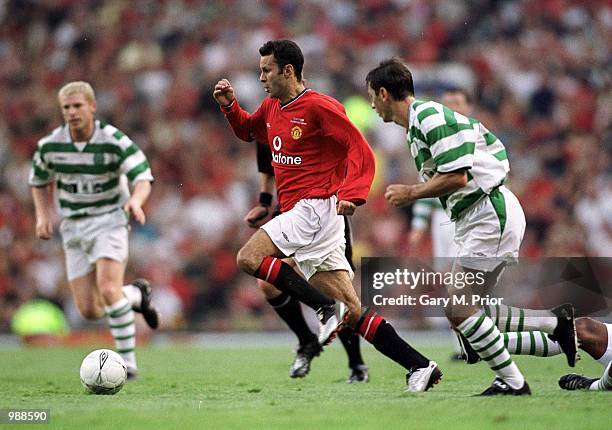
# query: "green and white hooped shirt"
[[88, 175], [442, 140]]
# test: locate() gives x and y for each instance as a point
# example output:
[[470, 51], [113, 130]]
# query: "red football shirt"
[[316, 150]]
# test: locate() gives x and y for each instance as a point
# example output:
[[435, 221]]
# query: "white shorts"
[[90, 238], [313, 234], [442, 235], [491, 232]]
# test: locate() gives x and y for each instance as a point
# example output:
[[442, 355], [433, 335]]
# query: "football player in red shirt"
[[288, 307], [324, 169]]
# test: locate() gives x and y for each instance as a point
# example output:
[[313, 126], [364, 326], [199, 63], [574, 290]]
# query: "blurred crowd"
[[538, 71]]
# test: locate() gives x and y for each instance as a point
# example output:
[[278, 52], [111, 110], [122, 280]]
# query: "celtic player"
[[85, 161], [464, 165]]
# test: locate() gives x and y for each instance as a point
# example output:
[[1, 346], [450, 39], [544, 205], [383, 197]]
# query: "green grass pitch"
[[249, 388]]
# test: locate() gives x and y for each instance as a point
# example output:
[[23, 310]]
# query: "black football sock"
[[290, 311], [350, 341], [383, 336], [287, 280]]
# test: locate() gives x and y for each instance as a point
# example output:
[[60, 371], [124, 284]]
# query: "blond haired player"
[[85, 161]]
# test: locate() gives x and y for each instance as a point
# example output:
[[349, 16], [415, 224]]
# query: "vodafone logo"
[[280, 158], [277, 143]]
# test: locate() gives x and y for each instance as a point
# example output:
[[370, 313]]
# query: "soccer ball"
[[103, 372]]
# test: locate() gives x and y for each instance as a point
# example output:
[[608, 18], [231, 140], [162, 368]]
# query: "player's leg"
[[261, 258], [423, 373], [573, 381], [109, 278], [108, 250], [558, 323], [493, 227], [349, 338], [290, 311], [359, 372], [485, 339], [80, 272], [593, 337], [138, 293], [87, 298], [596, 339], [536, 343]]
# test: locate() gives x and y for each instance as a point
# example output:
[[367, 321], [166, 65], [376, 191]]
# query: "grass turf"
[[185, 387]]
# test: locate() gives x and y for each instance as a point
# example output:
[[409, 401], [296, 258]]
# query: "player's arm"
[[41, 197], [361, 164], [262, 213], [441, 184], [140, 194], [246, 126], [452, 148], [40, 179], [138, 171]]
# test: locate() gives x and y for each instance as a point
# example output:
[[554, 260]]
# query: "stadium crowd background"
[[538, 70]]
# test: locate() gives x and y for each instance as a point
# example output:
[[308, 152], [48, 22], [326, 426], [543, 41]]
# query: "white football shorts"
[[491, 232], [313, 234], [90, 238]]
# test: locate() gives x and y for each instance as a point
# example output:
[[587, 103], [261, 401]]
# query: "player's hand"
[[224, 92], [344, 207], [258, 216], [133, 208], [399, 195], [44, 228]]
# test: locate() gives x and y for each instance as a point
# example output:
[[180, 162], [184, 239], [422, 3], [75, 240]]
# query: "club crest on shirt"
[[98, 158], [296, 132]]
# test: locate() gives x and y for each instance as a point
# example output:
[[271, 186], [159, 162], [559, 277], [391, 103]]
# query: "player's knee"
[[109, 291], [91, 312], [586, 330], [243, 261], [352, 318], [247, 261], [454, 315]]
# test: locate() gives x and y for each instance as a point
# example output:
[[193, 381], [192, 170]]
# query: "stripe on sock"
[[268, 269], [122, 327], [369, 325], [509, 318], [544, 345], [488, 342]]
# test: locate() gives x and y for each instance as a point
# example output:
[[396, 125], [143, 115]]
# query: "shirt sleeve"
[[247, 127], [40, 173], [450, 137], [360, 162], [134, 164]]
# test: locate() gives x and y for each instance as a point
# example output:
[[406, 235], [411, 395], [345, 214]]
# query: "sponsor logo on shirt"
[[279, 157]]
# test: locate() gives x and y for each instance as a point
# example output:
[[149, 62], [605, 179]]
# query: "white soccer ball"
[[103, 372]]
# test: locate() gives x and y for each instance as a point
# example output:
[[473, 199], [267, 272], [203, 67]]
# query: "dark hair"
[[394, 76], [285, 52], [462, 91]]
